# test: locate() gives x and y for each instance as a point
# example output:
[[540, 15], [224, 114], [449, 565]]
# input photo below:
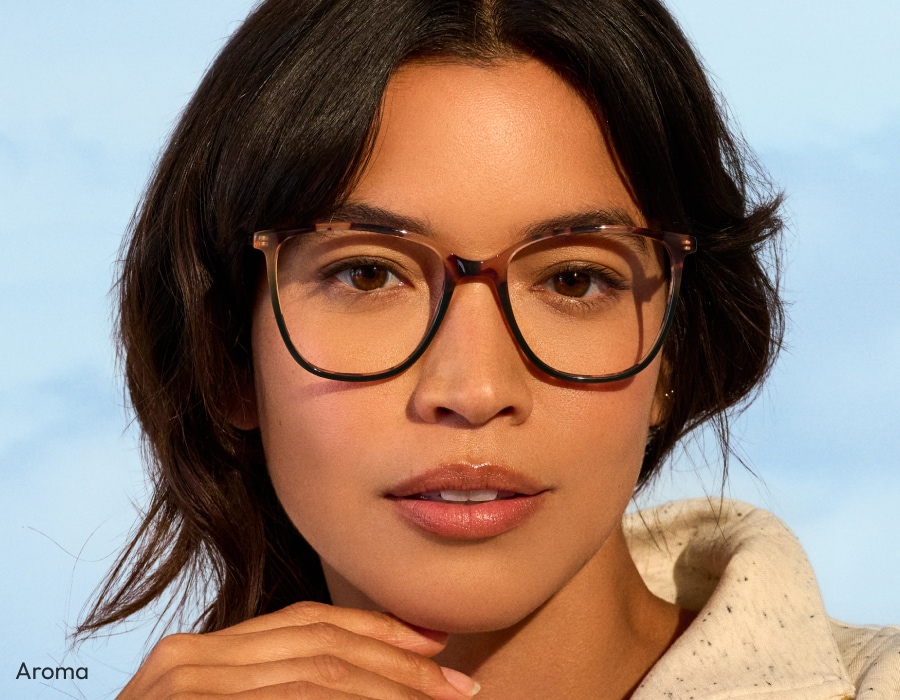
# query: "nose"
[[472, 371]]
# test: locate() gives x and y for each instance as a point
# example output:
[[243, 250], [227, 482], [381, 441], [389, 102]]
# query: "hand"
[[307, 650]]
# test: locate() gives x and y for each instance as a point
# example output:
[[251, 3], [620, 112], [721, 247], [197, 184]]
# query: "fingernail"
[[465, 685]]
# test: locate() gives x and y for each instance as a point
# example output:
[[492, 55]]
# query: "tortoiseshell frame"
[[494, 272]]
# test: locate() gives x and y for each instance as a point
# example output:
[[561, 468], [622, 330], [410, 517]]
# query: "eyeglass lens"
[[356, 302]]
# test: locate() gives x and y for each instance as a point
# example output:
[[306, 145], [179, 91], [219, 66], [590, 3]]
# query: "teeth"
[[483, 495], [457, 496], [479, 496]]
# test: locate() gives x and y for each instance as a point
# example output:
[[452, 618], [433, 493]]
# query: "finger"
[[316, 639], [325, 671], [369, 623], [296, 690]]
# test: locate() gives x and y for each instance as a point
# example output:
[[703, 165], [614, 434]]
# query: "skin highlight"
[[479, 153]]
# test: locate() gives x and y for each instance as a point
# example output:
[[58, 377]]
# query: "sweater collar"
[[761, 630]]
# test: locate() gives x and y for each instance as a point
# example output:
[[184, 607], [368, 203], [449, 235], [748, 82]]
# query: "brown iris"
[[571, 283], [368, 277]]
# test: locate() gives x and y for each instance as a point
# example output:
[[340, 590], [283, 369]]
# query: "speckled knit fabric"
[[761, 630]]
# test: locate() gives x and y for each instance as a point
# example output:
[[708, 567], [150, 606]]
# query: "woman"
[[419, 295]]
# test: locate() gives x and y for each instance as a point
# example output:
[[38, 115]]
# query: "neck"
[[595, 638]]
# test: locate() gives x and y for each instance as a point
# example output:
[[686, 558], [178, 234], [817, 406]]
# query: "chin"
[[488, 614], [460, 599]]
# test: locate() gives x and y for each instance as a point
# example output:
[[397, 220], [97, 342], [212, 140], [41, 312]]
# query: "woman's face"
[[479, 154]]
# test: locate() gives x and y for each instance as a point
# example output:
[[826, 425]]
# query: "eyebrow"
[[360, 212]]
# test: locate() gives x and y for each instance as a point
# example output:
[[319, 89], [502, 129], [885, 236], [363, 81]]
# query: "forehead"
[[488, 148]]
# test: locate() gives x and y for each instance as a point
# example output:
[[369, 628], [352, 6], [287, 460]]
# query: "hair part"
[[281, 125]]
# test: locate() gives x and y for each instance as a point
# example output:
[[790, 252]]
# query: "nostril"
[[443, 412]]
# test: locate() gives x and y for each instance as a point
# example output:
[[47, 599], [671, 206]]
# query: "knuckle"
[[426, 669], [324, 635], [306, 611], [173, 650], [420, 665], [331, 670], [385, 623]]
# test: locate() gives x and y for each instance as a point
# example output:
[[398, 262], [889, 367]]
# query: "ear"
[[241, 411]]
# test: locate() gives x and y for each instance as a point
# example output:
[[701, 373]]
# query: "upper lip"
[[467, 477]]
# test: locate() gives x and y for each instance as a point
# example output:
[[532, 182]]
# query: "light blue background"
[[88, 92]]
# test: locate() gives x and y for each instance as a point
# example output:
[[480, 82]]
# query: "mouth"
[[458, 496], [462, 482], [467, 502]]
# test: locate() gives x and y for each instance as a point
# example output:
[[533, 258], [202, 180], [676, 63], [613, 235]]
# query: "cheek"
[[603, 446], [309, 438], [605, 424], [300, 431], [322, 440], [314, 470]]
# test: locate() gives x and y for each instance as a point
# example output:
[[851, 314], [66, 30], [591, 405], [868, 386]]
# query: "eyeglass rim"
[[678, 245]]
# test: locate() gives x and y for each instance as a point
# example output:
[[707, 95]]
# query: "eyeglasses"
[[360, 302]]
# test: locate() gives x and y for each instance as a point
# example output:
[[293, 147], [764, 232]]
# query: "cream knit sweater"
[[761, 629]]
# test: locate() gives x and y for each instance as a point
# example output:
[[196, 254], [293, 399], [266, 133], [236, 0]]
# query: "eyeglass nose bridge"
[[462, 268], [493, 273]]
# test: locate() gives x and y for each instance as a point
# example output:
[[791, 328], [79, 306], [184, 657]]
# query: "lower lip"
[[473, 521]]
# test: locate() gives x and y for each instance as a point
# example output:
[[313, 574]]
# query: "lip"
[[470, 521], [467, 477]]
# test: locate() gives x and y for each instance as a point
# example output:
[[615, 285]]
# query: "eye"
[[579, 282], [572, 283], [368, 277]]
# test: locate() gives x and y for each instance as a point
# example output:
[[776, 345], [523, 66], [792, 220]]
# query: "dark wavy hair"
[[279, 128]]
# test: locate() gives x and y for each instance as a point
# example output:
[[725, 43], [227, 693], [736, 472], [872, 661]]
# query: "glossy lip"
[[467, 477], [470, 521]]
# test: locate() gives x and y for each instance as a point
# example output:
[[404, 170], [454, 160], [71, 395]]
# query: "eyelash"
[[332, 271], [597, 273]]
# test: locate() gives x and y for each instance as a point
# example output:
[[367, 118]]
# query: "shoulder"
[[871, 656]]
